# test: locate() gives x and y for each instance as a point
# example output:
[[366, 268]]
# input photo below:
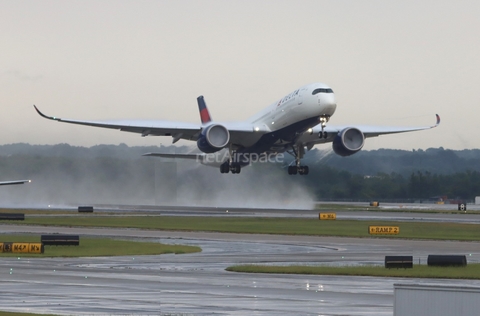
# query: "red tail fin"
[[202, 107]]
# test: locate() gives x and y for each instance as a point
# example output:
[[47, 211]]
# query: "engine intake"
[[213, 138], [348, 141]]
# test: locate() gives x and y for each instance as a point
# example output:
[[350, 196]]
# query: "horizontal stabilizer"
[[15, 182], [181, 156]]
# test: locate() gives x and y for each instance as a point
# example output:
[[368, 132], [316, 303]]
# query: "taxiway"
[[197, 284]]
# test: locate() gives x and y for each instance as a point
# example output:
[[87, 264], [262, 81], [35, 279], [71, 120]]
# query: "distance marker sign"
[[327, 216], [383, 230]]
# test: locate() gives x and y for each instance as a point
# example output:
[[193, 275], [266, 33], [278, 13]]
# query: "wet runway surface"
[[197, 284], [387, 211]]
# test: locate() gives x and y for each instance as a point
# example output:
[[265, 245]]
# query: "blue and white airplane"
[[293, 124]]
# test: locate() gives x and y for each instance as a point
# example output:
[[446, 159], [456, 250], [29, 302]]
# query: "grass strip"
[[94, 247], [284, 226], [471, 271], [394, 209]]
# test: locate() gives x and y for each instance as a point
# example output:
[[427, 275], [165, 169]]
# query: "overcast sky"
[[388, 62]]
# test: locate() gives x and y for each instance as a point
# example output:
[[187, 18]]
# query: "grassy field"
[[471, 271], [286, 226], [417, 208], [92, 247]]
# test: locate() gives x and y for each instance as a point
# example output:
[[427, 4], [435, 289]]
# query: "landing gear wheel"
[[303, 170], [235, 168], [224, 168], [323, 135], [292, 170]]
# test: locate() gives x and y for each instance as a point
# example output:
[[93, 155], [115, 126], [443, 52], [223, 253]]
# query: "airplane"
[[14, 182], [293, 124]]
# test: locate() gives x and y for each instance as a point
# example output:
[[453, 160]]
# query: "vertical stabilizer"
[[202, 107]]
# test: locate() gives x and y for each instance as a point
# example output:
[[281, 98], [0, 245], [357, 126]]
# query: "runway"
[[359, 211], [197, 284]]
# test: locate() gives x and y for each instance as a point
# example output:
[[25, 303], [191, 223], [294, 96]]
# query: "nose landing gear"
[[323, 122]]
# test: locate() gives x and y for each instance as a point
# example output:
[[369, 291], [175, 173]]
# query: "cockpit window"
[[322, 90]]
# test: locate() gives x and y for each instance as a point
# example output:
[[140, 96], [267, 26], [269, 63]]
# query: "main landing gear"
[[298, 151], [230, 165], [302, 170], [233, 167]]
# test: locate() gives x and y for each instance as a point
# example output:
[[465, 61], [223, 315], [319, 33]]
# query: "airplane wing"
[[177, 130], [311, 138], [373, 131], [14, 182]]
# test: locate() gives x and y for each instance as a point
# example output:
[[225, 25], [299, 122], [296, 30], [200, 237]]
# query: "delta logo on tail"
[[202, 107]]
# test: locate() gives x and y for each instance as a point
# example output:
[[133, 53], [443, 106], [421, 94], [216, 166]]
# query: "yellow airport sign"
[[383, 230], [21, 247], [35, 247], [327, 216]]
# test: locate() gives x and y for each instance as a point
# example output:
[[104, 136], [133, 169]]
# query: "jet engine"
[[213, 138], [348, 141]]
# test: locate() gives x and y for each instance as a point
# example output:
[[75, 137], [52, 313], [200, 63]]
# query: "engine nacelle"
[[348, 141], [213, 138]]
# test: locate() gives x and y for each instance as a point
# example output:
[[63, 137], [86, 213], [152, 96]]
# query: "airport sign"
[[327, 216], [383, 230]]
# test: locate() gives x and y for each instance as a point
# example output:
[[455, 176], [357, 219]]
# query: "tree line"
[[109, 173]]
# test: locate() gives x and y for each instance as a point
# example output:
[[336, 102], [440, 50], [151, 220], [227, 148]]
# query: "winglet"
[[438, 120], [202, 107], [45, 116]]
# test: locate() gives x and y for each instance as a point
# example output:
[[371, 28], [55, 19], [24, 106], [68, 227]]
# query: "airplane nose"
[[328, 103]]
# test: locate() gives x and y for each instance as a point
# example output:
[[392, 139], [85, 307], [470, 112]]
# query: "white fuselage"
[[286, 120], [297, 106]]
